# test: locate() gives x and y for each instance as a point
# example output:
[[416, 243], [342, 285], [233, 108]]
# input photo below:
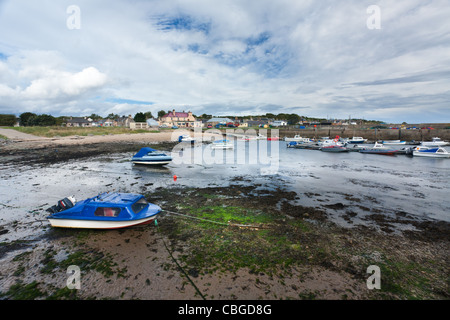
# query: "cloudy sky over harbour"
[[325, 58]]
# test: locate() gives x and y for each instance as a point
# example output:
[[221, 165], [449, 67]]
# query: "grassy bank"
[[51, 132]]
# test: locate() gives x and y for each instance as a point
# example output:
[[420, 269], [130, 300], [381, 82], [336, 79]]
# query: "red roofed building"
[[179, 119]]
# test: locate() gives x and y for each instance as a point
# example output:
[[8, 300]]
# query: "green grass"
[[54, 131]]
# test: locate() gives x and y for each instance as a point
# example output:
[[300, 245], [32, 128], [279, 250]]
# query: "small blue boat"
[[105, 211], [151, 156]]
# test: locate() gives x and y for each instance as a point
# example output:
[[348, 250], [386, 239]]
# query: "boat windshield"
[[155, 153], [139, 205]]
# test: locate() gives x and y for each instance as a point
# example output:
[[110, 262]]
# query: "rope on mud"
[[178, 265], [216, 222]]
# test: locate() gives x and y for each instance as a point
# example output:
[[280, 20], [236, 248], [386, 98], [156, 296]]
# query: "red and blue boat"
[[105, 211]]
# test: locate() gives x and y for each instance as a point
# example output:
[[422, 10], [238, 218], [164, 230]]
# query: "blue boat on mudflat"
[[105, 211], [151, 156]]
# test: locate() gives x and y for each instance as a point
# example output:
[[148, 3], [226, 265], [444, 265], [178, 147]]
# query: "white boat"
[[222, 144], [394, 142], [356, 140], [436, 152], [333, 148], [105, 211], [298, 138], [151, 156], [435, 142], [378, 148], [248, 138], [331, 142], [186, 138]]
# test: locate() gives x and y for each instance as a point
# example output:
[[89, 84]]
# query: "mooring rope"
[[178, 265]]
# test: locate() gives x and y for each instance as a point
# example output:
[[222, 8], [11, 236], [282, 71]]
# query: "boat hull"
[[222, 147], [334, 149], [387, 153], [152, 162], [430, 155], [98, 224]]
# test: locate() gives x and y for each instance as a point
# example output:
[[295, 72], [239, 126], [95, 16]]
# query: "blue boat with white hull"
[[105, 211], [151, 156], [431, 152]]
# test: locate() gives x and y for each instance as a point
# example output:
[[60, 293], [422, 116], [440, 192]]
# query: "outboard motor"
[[62, 205]]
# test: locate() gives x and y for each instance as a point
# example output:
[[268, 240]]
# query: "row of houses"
[[177, 119]]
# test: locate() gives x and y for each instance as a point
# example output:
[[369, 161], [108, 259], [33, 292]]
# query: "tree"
[[95, 117], [140, 117], [161, 113], [42, 120], [206, 116], [7, 120], [148, 115], [24, 117], [293, 118], [113, 116]]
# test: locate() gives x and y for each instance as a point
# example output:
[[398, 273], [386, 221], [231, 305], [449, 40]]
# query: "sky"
[[376, 60]]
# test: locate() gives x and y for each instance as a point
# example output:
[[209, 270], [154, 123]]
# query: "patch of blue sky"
[[258, 40], [3, 56], [183, 23], [261, 56], [128, 101], [196, 48]]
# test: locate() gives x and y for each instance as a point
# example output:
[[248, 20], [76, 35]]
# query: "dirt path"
[[17, 135]]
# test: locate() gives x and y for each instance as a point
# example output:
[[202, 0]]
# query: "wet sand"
[[326, 261]]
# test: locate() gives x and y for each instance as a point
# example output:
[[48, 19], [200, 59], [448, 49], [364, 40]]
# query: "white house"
[[278, 123]]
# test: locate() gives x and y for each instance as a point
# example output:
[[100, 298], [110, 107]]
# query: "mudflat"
[[237, 242]]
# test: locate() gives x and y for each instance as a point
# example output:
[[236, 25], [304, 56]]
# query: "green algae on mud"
[[282, 237]]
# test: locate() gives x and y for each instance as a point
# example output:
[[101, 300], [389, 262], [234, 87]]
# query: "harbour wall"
[[370, 134]]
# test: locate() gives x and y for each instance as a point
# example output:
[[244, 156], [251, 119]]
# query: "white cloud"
[[57, 84]]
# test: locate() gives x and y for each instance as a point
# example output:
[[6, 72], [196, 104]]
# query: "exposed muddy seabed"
[[136, 264]]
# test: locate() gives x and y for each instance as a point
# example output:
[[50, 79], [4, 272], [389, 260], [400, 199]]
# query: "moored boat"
[[151, 156], [331, 142], [436, 152], [298, 138], [105, 211], [222, 144], [333, 148], [186, 138], [356, 140], [435, 142], [395, 142], [248, 138], [378, 148]]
